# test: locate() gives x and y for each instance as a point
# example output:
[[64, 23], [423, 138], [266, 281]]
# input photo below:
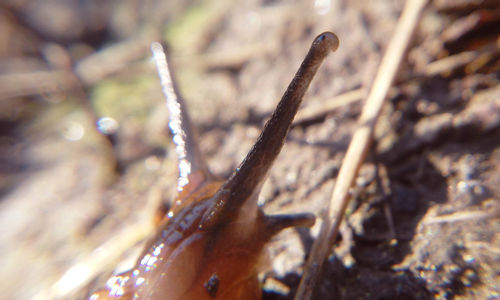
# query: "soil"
[[423, 221]]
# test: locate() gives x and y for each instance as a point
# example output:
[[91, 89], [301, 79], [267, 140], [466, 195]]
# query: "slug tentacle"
[[192, 165], [252, 171], [273, 224]]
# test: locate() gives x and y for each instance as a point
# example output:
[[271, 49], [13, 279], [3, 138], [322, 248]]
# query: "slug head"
[[209, 245]]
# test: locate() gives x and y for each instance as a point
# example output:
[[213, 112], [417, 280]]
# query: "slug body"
[[208, 245]]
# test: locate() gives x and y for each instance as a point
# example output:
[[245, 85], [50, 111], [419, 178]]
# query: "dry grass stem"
[[100, 259], [106, 255], [360, 143], [462, 216], [325, 107]]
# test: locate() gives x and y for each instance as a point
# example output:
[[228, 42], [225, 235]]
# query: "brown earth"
[[423, 221]]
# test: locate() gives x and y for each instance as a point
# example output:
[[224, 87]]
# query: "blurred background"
[[86, 157]]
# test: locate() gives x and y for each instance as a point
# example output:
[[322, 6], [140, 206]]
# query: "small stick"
[[462, 216], [84, 270], [359, 145], [86, 72], [384, 185], [35, 82], [325, 107]]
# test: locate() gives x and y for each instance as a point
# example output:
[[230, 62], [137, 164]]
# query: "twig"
[[36, 82], [462, 216], [384, 184], [450, 63], [320, 109], [86, 72], [114, 58], [103, 257], [232, 58], [359, 144]]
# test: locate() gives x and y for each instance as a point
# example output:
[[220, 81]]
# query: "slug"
[[208, 245]]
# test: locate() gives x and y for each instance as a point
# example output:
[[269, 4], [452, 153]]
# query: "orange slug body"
[[208, 245]]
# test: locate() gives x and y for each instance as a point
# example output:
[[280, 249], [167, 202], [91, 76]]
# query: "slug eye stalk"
[[190, 161], [252, 171]]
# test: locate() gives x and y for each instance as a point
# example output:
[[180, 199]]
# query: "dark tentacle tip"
[[327, 40]]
